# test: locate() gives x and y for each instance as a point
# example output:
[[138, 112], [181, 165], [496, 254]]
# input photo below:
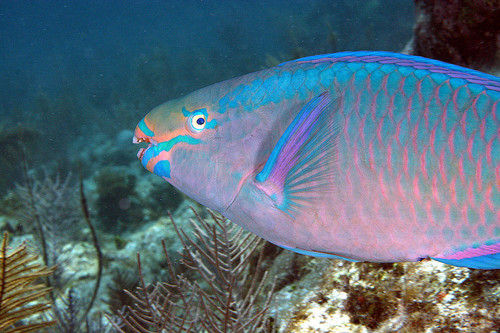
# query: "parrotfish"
[[364, 156]]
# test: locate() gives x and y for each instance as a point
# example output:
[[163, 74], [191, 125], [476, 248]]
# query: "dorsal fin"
[[415, 62]]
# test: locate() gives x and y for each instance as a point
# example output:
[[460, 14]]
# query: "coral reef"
[[338, 296], [81, 120]]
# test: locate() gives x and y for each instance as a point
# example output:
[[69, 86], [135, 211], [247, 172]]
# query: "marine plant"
[[21, 293], [121, 279], [220, 295], [51, 205], [52, 199]]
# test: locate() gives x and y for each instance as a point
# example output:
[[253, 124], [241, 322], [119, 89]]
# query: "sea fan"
[[160, 307], [54, 201], [21, 296], [220, 253], [51, 205], [223, 300]]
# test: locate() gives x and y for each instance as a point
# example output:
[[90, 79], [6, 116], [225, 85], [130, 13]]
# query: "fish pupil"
[[200, 121]]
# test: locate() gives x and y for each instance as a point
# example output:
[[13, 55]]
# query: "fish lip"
[[140, 153], [142, 150]]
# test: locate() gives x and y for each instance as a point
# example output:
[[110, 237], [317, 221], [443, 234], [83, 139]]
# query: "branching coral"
[[223, 299], [220, 253], [54, 200]]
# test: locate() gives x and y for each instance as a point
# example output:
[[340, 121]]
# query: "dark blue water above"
[[49, 40], [77, 68]]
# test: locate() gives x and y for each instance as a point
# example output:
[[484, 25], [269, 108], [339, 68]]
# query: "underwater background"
[[77, 76]]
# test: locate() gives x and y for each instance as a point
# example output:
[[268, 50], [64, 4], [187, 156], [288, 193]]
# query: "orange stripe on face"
[[162, 156], [139, 133], [148, 123], [144, 129], [170, 135]]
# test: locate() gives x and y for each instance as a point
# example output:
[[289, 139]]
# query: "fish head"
[[182, 141]]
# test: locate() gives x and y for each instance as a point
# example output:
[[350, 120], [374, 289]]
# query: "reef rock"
[[337, 296], [462, 32]]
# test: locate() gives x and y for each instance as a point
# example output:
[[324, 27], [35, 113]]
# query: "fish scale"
[[429, 192], [360, 155]]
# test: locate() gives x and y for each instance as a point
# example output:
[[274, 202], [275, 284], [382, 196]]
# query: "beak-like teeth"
[[140, 153], [139, 140]]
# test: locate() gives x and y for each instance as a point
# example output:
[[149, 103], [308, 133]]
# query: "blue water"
[[92, 50]]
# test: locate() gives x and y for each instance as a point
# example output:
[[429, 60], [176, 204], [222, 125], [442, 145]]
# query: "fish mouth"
[[142, 150]]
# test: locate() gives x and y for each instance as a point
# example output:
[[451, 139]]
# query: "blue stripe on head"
[[162, 169], [167, 145], [145, 129], [407, 63], [149, 154], [211, 124]]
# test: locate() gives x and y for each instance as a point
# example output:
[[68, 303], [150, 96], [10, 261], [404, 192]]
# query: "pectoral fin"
[[301, 166]]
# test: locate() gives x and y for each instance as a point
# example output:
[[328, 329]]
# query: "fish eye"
[[198, 122]]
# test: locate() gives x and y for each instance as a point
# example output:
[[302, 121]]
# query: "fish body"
[[366, 156]]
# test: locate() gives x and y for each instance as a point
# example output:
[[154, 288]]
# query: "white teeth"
[[139, 140], [140, 153]]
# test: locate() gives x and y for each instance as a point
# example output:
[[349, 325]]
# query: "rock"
[[337, 296], [147, 241], [79, 261], [462, 32]]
